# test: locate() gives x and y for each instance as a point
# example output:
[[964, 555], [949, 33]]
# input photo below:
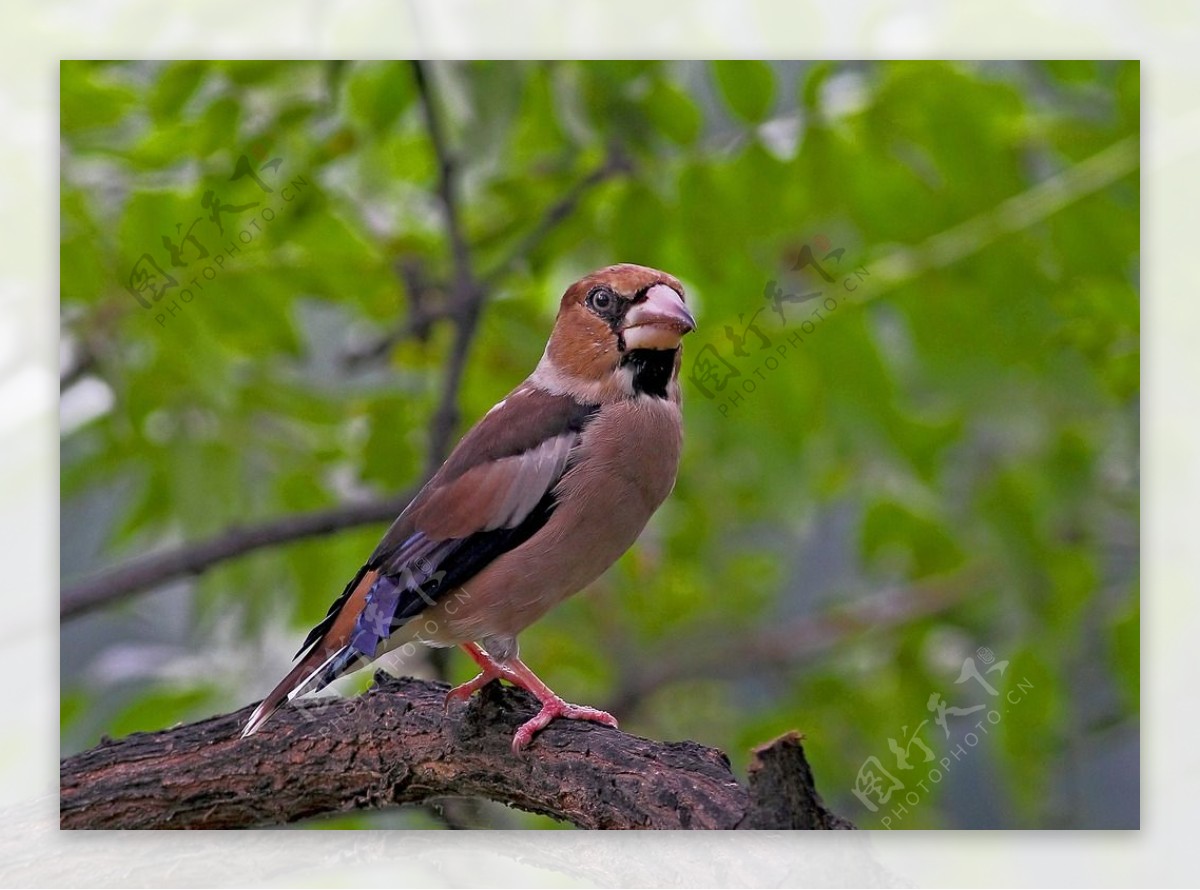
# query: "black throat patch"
[[652, 370]]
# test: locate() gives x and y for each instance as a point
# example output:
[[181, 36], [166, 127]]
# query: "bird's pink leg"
[[491, 670], [518, 673]]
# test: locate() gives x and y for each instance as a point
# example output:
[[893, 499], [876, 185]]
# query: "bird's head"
[[618, 335]]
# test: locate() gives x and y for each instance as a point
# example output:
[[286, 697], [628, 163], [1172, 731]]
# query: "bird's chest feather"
[[627, 458], [622, 470]]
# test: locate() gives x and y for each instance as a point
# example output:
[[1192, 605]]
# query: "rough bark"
[[396, 745]]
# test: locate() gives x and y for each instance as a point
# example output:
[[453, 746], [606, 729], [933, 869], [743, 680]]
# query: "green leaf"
[[912, 544], [748, 87], [1072, 70], [89, 99], [218, 128], [175, 86], [1125, 644], [1032, 710], [814, 80], [71, 705], [379, 92], [674, 112], [250, 72]]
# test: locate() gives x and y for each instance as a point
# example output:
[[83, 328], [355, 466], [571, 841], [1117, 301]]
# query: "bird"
[[535, 502]]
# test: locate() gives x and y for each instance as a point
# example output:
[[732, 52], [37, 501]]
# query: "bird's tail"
[[330, 652], [314, 672]]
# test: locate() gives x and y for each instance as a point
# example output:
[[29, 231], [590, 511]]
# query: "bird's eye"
[[600, 300]]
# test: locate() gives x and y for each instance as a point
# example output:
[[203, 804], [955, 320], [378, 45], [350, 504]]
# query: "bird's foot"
[[464, 691], [556, 707], [518, 673]]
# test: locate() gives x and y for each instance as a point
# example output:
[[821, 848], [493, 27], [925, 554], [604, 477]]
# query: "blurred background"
[[906, 522]]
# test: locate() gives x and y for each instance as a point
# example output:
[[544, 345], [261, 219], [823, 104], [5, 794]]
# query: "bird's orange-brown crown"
[[606, 316]]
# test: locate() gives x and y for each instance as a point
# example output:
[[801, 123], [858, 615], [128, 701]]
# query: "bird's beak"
[[657, 322]]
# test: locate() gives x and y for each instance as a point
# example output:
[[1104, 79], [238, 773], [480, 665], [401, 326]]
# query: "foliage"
[[945, 461]]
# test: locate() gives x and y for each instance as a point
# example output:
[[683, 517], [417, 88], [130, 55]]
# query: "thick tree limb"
[[197, 558], [395, 745]]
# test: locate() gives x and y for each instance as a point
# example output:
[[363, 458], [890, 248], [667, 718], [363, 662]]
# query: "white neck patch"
[[549, 377]]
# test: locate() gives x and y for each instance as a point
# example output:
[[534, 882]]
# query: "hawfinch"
[[537, 500]]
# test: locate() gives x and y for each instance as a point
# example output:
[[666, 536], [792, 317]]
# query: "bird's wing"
[[492, 494]]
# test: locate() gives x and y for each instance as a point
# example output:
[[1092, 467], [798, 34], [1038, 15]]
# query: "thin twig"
[[422, 315], [616, 163], [467, 295], [423, 311], [1008, 217]]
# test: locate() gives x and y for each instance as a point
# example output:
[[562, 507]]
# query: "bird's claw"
[[558, 708], [464, 691]]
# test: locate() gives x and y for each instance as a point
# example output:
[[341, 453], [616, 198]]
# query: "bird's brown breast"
[[625, 468]]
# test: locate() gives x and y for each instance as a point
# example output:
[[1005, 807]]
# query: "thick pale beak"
[[658, 322]]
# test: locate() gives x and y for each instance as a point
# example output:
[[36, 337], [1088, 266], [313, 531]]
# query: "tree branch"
[[395, 745], [422, 313], [1039, 202], [196, 558], [467, 295]]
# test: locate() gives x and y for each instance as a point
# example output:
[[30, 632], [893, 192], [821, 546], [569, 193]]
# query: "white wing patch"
[[532, 474]]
